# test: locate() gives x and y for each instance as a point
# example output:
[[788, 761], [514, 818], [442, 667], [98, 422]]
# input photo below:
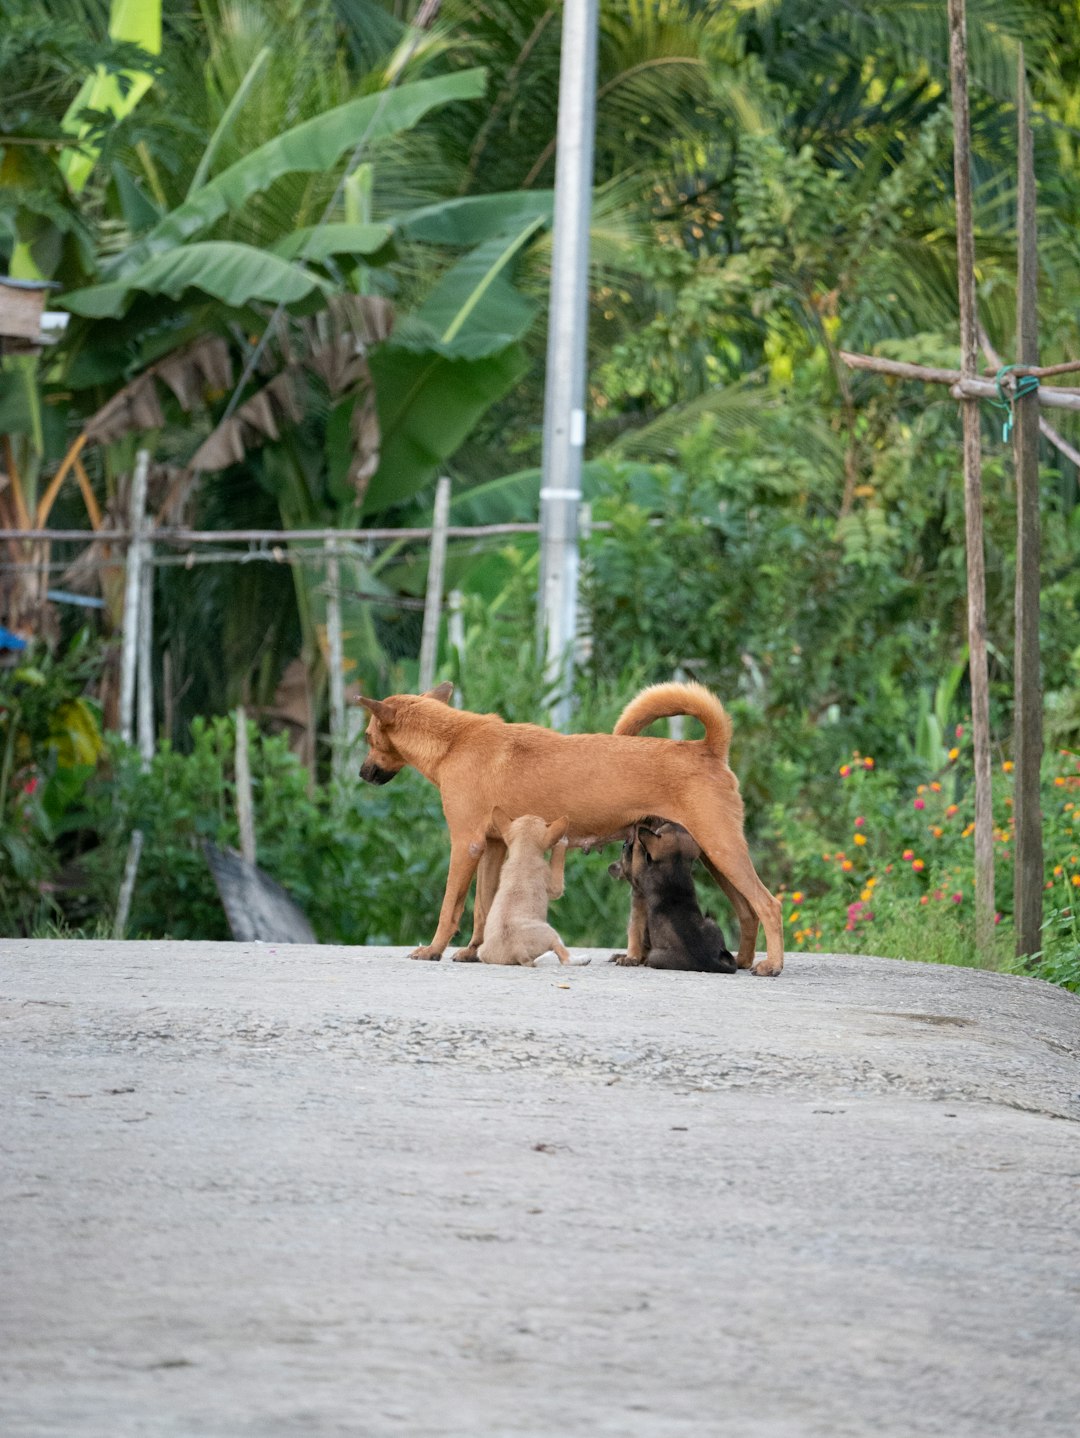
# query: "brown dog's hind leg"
[[726, 853], [748, 920], [487, 882], [464, 858]]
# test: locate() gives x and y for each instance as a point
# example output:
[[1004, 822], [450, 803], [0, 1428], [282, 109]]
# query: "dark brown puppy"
[[667, 928]]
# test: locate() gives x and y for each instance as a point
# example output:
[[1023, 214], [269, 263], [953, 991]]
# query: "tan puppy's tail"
[[661, 701]]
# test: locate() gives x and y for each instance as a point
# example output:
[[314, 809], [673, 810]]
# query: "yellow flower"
[[1076, 881], [954, 754], [1007, 767], [797, 897], [860, 839], [1058, 871], [793, 916], [867, 894], [870, 883]]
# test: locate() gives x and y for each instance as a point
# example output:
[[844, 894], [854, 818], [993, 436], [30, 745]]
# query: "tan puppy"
[[602, 782], [517, 930]]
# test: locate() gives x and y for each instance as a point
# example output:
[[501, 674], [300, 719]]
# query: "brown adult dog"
[[517, 929], [667, 928], [602, 782]]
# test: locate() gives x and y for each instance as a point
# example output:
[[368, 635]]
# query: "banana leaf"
[[317, 242], [230, 272], [428, 403], [475, 218], [316, 145]]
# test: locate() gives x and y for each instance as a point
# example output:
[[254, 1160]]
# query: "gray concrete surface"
[[251, 1192]]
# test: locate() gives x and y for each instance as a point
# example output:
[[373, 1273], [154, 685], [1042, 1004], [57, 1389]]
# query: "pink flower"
[[997, 918], [920, 803], [958, 898], [860, 822], [31, 785]]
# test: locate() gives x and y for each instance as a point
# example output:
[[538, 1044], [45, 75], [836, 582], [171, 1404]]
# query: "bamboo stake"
[[245, 810], [429, 641], [129, 651], [973, 518], [1027, 699], [335, 645]]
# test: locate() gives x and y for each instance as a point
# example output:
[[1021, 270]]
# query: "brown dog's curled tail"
[[661, 701]]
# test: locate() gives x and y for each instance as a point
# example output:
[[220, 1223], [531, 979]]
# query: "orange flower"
[[918, 866], [1059, 781], [868, 763], [936, 787], [846, 865], [797, 897], [1007, 767], [936, 830], [1075, 881], [908, 854], [951, 810]]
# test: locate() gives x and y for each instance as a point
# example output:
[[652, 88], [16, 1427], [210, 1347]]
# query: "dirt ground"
[[258, 1192]]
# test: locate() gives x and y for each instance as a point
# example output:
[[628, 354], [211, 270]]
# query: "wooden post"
[[1027, 698], [336, 656], [245, 813], [973, 517], [135, 608], [145, 666], [130, 651], [455, 634], [429, 642]]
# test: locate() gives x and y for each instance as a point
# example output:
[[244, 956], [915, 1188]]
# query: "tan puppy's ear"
[[556, 831], [501, 820], [649, 841], [442, 692], [381, 710]]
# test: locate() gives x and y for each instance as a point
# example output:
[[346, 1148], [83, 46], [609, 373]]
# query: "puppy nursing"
[[667, 928], [517, 930]]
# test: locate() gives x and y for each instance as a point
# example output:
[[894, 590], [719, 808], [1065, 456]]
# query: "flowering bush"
[[896, 876]]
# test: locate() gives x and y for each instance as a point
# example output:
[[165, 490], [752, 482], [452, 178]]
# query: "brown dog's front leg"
[[487, 882], [464, 857]]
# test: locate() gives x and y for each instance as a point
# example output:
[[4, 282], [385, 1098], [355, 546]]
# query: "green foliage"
[[50, 743]]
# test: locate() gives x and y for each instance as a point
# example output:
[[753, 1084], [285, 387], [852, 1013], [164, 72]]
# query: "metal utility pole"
[[564, 399], [973, 515], [1028, 702]]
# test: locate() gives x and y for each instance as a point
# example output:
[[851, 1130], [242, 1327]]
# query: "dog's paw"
[[767, 968], [469, 955], [626, 961], [425, 951]]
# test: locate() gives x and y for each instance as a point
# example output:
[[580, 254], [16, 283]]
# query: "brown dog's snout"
[[372, 773]]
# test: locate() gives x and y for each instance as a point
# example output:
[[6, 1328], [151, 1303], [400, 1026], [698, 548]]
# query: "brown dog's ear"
[[649, 841], [501, 820], [442, 692], [556, 831], [378, 707]]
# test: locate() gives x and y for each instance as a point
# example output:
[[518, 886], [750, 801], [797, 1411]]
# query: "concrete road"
[[259, 1193]]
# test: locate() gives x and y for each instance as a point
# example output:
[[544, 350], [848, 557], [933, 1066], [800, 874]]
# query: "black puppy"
[[667, 928]]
